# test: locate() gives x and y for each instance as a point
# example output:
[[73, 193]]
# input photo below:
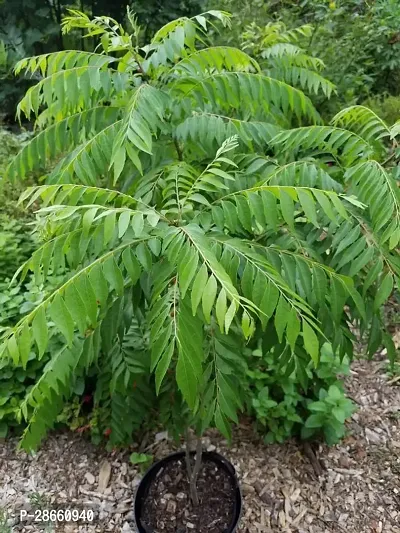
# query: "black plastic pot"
[[150, 475]]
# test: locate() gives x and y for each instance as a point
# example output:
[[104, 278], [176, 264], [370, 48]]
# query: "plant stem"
[[187, 454], [193, 478], [178, 150]]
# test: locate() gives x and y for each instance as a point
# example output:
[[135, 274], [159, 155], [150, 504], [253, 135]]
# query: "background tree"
[[29, 27]]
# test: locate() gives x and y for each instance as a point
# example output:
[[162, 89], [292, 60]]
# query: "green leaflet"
[[123, 223], [76, 307], [190, 354], [307, 203], [187, 269], [281, 316], [137, 224], [144, 255], [99, 284], [384, 291], [86, 293], [163, 365], [198, 287], [230, 315], [287, 207], [113, 275], [131, 264], [222, 423], [293, 328], [208, 297], [119, 163], [24, 344], [311, 343], [40, 330], [61, 316], [221, 309], [247, 325], [109, 227]]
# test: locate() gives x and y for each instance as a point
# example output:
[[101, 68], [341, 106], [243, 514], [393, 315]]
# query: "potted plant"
[[194, 488], [190, 489], [199, 203]]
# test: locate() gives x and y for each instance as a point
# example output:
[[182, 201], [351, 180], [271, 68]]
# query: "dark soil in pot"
[[167, 507]]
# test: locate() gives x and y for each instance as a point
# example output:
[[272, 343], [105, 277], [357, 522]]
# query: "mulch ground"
[[358, 490]]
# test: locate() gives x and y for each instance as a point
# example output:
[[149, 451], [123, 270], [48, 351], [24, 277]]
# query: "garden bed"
[[358, 491]]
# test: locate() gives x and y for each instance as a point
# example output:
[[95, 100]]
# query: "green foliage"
[[183, 242], [141, 459], [385, 106], [29, 27], [357, 41], [282, 56], [16, 245], [25, 27], [72, 415], [4, 527], [17, 380], [285, 399], [329, 414]]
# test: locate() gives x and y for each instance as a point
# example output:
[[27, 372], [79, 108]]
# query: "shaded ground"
[[358, 491]]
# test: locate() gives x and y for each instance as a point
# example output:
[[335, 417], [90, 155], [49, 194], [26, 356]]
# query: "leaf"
[[287, 208], [315, 421], [221, 309], [99, 284], [76, 307], [187, 271], [384, 291], [311, 343], [62, 318], [144, 256], [318, 406], [190, 354], [308, 206], [137, 224], [222, 423], [293, 328], [113, 275], [24, 345], [109, 227], [390, 347], [230, 315], [198, 287], [208, 297], [163, 365], [281, 317], [339, 414], [131, 264], [123, 223], [140, 458], [87, 294], [119, 163], [319, 284], [40, 331], [13, 350], [247, 325]]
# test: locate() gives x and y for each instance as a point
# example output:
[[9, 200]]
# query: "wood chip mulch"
[[358, 490]]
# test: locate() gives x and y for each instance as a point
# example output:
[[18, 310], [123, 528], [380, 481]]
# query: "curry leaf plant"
[[203, 203]]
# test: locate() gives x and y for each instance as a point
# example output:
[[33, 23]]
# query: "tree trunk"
[[195, 473]]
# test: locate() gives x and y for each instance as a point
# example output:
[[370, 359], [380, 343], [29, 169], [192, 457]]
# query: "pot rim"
[[150, 474]]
